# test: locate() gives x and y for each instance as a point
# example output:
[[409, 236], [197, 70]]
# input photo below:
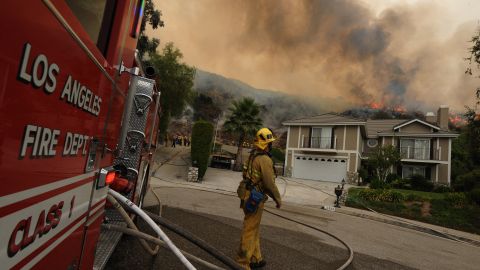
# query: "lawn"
[[444, 209]]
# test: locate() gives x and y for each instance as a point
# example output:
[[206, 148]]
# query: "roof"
[[325, 119], [378, 126], [416, 120], [386, 127]]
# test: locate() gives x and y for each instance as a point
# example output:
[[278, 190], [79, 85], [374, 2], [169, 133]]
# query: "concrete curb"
[[411, 226]]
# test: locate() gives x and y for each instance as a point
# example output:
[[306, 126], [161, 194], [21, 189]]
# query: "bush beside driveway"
[[452, 210]]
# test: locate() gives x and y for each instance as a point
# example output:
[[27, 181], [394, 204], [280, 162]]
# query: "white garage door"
[[320, 168]]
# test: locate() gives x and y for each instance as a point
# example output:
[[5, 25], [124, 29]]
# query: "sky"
[[406, 53]]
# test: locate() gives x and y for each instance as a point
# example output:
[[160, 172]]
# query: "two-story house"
[[332, 147]]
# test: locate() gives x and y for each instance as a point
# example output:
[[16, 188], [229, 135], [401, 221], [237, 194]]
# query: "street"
[[214, 215]]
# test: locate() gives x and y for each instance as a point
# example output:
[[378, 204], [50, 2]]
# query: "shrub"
[[363, 173], [379, 195], [456, 199], [419, 182], [367, 194], [392, 177], [442, 189], [392, 196], [475, 195], [413, 197], [401, 184], [202, 135], [377, 184], [468, 181]]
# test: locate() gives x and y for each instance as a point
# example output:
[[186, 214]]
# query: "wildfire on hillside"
[[381, 106], [399, 109], [376, 105], [457, 120]]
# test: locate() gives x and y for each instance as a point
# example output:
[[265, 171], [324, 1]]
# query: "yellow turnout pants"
[[249, 250]]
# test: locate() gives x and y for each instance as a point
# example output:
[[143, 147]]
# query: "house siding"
[[339, 131], [444, 146], [434, 173], [293, 137], [288, 164], [387, 140], [351, 138], [443, 174], [352, 162], [416, 128], [304, 134]]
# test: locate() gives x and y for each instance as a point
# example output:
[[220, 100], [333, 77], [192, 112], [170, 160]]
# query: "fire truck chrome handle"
[[115, 152], [122, 68]]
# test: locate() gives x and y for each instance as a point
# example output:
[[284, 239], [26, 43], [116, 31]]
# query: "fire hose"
[[195, 240], [132, 207], [159, 242], [230, 193], [131, 224]]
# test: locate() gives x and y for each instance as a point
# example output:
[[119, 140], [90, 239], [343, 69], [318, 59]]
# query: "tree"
[[475, 58], [202, 137], [243, 121], [204, 108], [151, 16], [175, 81], [382, 159], [461, 161], [472, 132]]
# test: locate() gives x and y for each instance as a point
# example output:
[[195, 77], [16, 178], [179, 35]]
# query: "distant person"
[[258, 182], [174, 141]]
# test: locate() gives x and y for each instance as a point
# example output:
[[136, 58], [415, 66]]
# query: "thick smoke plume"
[[330, 50]]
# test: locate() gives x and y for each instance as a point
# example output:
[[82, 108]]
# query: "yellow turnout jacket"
[[260, 171]]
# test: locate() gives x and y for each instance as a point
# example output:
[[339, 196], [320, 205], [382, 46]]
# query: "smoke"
[[328, 49]]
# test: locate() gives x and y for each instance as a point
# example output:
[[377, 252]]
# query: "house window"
[[321, 137], [415, 148], [372, 143], [408, 171], [96, 18]]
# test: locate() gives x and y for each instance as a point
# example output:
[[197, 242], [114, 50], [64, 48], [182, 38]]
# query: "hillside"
[[278, 106]]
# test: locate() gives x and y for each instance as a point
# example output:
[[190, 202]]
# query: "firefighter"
[[258, 183]]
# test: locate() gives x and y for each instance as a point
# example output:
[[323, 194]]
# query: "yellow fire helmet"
[[263, 138]]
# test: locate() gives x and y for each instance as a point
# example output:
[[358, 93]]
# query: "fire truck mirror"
[[92, 155]]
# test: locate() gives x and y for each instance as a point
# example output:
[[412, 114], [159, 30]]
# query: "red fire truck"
[[76, 115]]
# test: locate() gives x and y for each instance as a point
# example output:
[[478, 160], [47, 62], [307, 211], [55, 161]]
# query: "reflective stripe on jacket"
[[259, 170]]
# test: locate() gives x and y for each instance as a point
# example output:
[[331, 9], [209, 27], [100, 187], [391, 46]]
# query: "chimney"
[[442, 114], [431, 118]]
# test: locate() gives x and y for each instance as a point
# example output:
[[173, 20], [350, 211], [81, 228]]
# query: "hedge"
[[381, 195], [202, 137]]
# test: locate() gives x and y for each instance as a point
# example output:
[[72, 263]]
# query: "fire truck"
[[77, 113]]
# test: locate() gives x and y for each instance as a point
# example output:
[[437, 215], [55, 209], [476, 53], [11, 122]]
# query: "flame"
[[457, 120], [376, 105], [399, 109]]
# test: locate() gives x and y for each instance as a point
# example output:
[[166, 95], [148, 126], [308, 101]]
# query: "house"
[[332, 147]]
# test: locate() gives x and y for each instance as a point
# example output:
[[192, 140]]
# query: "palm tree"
[[243, 121]]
